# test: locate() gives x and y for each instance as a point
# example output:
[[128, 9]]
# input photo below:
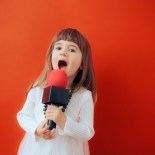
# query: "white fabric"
[[72, 140]]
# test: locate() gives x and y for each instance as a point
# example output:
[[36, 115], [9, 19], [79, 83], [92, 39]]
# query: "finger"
[[49, 116], [42, 124], [52, 107], [50, 111], [44, 130], [47, 132], [49, 137], [53, 137], [52, 132]]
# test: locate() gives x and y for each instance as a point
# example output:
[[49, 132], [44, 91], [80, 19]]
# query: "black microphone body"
[[56, 96]]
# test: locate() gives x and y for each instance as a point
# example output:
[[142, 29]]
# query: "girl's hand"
[[42, 131], [55, 114]]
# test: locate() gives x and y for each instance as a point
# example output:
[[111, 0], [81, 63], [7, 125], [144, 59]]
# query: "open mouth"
[[62, 64]]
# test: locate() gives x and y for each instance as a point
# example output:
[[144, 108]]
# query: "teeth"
[[62, 63]]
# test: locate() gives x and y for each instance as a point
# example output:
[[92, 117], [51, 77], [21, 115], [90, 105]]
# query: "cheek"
[[77, 62], [54, 60], [80, 60]]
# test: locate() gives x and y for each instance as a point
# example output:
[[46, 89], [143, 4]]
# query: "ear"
[[81, 67]]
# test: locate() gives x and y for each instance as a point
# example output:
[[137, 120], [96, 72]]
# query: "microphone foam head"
[[57, 78]]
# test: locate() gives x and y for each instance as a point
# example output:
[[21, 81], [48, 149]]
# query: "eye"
[[58, 48], [72, 50]]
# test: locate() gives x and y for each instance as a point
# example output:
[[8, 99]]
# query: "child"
[[69, 51]]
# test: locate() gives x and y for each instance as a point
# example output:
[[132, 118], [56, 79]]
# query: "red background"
[[122, 35]]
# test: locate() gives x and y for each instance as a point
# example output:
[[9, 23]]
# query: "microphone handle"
[[51, 124]]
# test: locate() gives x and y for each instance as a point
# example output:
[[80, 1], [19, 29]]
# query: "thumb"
[[43, 123]]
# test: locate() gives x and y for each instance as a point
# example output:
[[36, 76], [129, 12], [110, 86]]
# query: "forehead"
[[65, 42]]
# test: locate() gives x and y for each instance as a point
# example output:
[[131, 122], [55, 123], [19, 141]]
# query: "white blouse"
[[72, 140]]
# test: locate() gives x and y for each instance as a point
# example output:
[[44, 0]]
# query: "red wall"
[[122, 37]]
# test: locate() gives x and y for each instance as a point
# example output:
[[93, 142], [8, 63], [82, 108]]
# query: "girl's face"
[[67, 56]]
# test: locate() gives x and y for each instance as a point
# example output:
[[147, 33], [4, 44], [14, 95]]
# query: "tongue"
[[62, 67]]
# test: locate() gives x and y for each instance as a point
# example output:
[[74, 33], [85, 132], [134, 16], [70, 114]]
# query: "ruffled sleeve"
[[83, 129], [25, 117]]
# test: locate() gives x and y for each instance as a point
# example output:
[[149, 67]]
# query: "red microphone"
[[57, 78], [56, 92]]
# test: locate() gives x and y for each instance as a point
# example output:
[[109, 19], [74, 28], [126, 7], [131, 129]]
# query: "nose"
[[64, 52]]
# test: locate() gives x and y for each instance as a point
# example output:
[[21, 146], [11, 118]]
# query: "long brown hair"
[[86, 76]]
